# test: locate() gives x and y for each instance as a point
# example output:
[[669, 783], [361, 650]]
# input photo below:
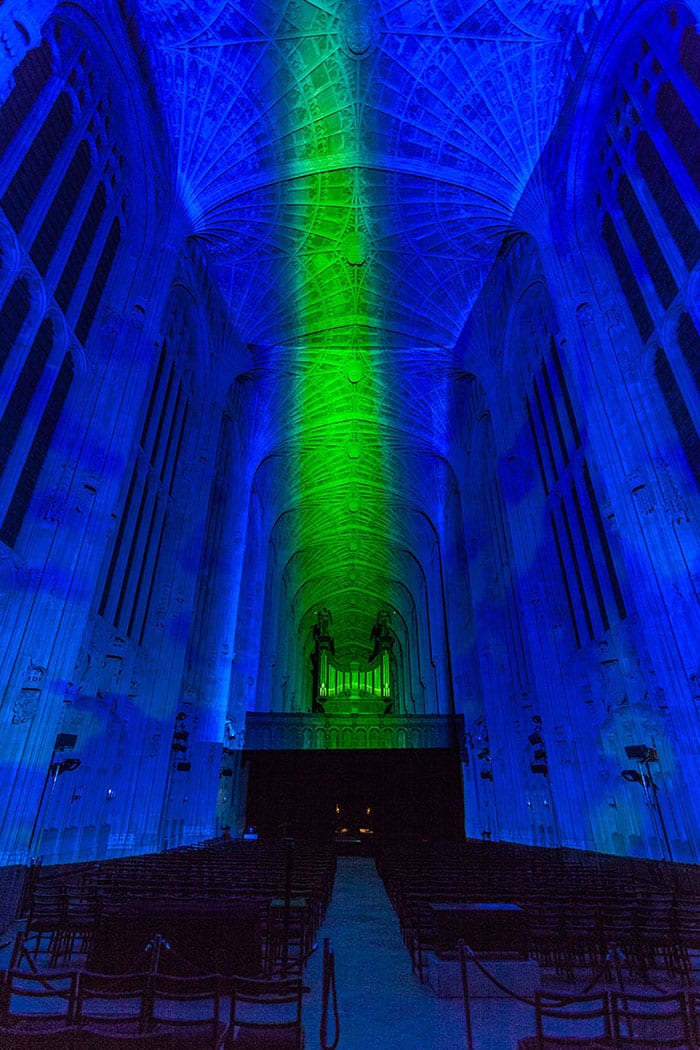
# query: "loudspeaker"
[[641, 753]]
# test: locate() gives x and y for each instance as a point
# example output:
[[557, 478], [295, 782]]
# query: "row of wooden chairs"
[[536, 871], [79, 1010], [283, 942], [576, 936], [64, 910], [570, 939], [615, 1021], [575, 907], [283, 938], [215, 868], [78, 896], [237, 859], [537, 863]]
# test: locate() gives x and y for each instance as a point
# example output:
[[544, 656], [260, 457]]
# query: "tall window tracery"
[[649, 206], [590, 582], [60, 194], [61, 190], [128, 590]]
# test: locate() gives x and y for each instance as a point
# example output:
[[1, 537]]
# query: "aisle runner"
[[382, 1005]]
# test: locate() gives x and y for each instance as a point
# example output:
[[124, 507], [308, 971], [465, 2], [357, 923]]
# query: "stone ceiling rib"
[[351, 169]]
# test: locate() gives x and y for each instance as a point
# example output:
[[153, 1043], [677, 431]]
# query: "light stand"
[[64, 741], [644, 755]]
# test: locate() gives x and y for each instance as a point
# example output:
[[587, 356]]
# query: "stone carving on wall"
[[71, 693], [358, 31], [25, 706], [35, 673], [641, 490], [112, 321], [614, 317], [584, 313], [673, 502], [54, 508], [294, 731]]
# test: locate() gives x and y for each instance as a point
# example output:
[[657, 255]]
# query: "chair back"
[[267, 1012], [190, 1009], [693, 1000], [106, 1001], [572, 1021], [652, 1022], [47, 997]]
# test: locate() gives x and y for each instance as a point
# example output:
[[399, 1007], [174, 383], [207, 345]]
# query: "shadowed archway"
[[412, 793]]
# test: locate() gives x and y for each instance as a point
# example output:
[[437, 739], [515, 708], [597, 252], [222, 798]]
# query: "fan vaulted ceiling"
[[351, 167]]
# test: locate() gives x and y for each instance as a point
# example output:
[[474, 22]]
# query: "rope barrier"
[[158, 944], [494, 980], [667, 990], [613, 953]]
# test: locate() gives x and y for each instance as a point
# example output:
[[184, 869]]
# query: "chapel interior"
[[349, 426]]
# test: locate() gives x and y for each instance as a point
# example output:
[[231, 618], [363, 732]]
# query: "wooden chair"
[[57, 924], [581, 1022], [419, 931], [652, 1022], [33, 949], [189, 1008], [113, 1004], [290, 934], [42, 1001], [266, 1013]]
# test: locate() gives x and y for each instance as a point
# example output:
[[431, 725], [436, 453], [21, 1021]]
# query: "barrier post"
[[465, 994]]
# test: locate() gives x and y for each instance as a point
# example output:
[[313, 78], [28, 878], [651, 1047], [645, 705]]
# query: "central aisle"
[[382, 1005]]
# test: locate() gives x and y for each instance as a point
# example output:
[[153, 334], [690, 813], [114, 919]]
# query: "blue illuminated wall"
[[580, 449], [539, 495], [113, 396]]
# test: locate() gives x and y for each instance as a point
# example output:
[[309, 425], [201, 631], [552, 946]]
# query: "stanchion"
[[156, 946], [328, 990], [287, 906], [31, 878], [465, 994]]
